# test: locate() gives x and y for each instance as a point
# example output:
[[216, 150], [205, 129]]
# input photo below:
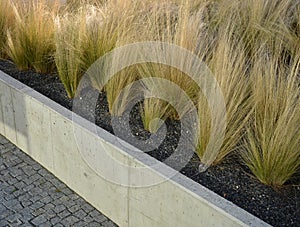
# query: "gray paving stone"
[[9, 189], [18, 193], [13, 218], [36, 166], [27, 224], [55, 220], [15, 223], [58, 225], [66, 191], [100, 218], [46, 224], [45, 184], [59, 208], [80, 224], [69, 221], [35, 197], [4, 214], [3, 223], [49, 206], [38, 212], [39, 220], [28, 187], [2, 208], [26, 214], [36, 205], [26, 203], [11, 204], [81, 214], [88, 219], [50, 214], [16, 172], [56, 195], [20, 185], [74, 208], [32, 196], [9, 197], [64, 214], [12, 181], [87, 207], [64, 199], [70, 203], [46, 199], [94, 224], [108, 224]]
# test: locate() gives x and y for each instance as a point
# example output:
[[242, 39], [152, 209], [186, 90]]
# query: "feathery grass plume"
[[101, 34], [68, 41], [73, 5], [229, 66], [122, 19], [260, 26], [273, 137], [81, 38], [256, 21], [118, 98], [289, 32], [174, 24], [6, 20], [31, 39]]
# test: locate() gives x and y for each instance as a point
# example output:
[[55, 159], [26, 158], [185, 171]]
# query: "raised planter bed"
[[45, 130]]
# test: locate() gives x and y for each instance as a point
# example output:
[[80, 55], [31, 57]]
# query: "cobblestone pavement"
[[31, 196]]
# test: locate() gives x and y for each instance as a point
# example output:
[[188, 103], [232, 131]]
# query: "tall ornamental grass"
[[82, 37], [6, 20], [273, 136], [68, 44], [229, 67], [173, 24], [31, 38], [122, 20]]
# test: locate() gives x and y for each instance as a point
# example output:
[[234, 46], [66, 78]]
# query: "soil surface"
[[230, 179]]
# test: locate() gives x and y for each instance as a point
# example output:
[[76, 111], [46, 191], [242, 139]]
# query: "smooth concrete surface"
[[46, 131]]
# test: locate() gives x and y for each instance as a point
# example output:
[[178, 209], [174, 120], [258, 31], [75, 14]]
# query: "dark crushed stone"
[[230, 179]]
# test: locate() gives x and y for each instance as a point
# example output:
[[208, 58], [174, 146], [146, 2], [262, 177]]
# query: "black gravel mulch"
[[230, 179]]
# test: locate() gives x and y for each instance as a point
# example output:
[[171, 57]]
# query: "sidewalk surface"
[[31, 196]]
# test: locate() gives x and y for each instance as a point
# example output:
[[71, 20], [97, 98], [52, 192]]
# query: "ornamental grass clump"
[[119, 90], [175, 25], [273, 136], [6, 20], [262, 28], [229, 67], [82, 37], [31, 38], [68, 43], [80, 41], [257, 22], [121, 21], [269, 36]]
